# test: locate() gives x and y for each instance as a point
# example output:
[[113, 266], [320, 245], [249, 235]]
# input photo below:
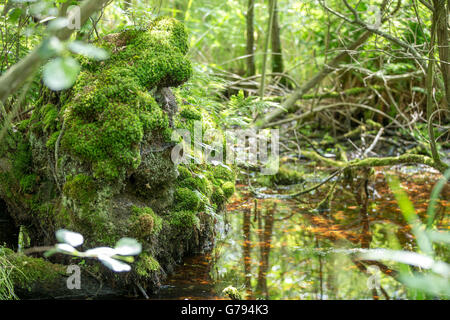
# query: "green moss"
[[28, 182], [28, 271], [111, 110], [146, 264], [186, 199], [228, 189], [52, 140], [286, 176], [22, 160], [23, 125], [184, 173], [144, 222], [197, 183], [223, 173], [184, 219], [81, 188], [218, 196], [157, 55], [49, 117], [190, 112]]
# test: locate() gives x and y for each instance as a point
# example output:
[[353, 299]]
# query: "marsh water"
[[270, 247]]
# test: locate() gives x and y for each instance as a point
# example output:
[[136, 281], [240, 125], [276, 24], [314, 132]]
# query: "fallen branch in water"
[[378, 162]]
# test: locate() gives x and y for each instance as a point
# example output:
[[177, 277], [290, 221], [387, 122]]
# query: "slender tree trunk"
[[266, 49], [277, 56], [429, 83], [250, 39]]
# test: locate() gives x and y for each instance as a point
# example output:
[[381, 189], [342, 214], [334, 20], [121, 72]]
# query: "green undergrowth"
[[25, 272]]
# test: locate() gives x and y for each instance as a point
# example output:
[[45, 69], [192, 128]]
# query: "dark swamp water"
[[272, 248]]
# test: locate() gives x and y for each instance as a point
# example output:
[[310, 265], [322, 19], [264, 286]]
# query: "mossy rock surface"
[[96, 159]]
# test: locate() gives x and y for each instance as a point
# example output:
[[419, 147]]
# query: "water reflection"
[[291, 249]]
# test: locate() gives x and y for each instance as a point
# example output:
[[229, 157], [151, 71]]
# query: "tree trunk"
[[277, 56], [250, 39], [441, 17]]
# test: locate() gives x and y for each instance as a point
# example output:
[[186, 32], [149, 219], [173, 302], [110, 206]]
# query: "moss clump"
[[156, 55], [146, 264], [22, 161], [28, 182], [51, 142], [228, 189], [111, 111], [286, 176], [186, 199], [232, 293], [184, 219], [223, 173], [27, 271], [197, 183], [190, 112], [21, 177], [49, 117], [23, 125], [218, 196], [183, 173], [81, 188], [144, 222]]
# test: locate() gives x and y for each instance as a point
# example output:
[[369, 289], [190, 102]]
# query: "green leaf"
[[439, 236], [434, 197], [407, 257], [61, 73], [410, 216], [128, 247], [14, 15], [429, 283], [50, 48], [88, 50], [50, 252], [114, 265], [69, 237], [56, 24]]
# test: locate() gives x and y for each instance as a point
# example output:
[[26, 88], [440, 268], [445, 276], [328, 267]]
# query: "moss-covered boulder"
[[96, 159]]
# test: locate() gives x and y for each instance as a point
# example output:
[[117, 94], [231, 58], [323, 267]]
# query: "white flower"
[[66, 248], [113, 264]]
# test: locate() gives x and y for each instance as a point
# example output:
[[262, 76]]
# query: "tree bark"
[[250, 39], [277, 55], [13, 79], [266, 49], [440, 16]]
